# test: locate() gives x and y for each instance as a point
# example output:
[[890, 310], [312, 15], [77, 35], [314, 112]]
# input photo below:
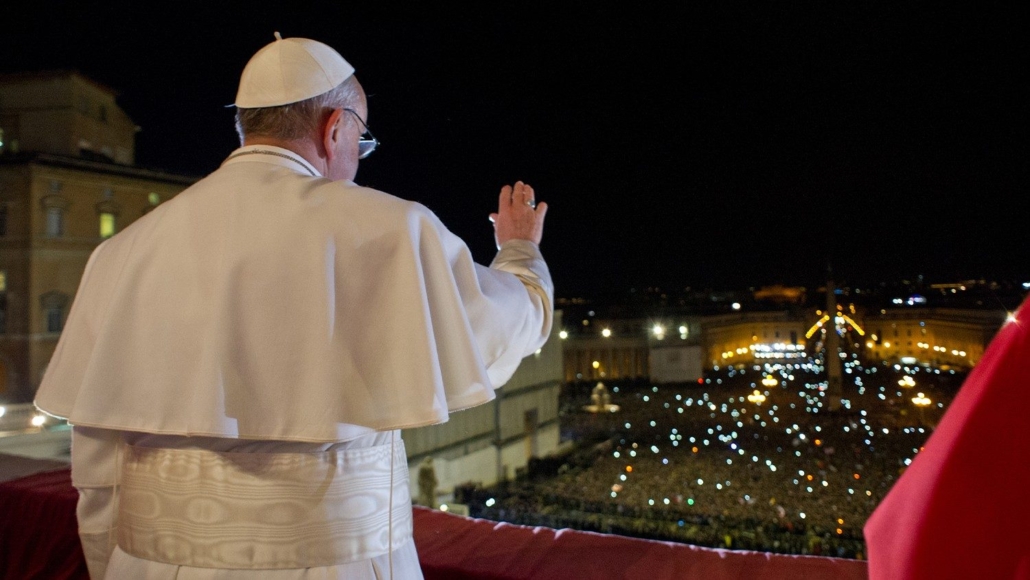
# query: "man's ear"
[[331, 133]]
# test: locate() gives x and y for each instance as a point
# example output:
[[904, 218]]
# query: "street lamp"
[[756, 397], [769, 381], [922, 402], [908, 382], [659, 331]]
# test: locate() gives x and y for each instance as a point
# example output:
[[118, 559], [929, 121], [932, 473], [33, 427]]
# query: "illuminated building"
[[67, 182], [905, 331], [941, 337]]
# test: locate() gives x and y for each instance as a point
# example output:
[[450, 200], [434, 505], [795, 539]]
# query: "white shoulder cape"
[[262, 303]]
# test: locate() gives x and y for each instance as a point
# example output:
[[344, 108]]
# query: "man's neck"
[[301, 147]]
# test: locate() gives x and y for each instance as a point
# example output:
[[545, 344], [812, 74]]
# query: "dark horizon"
[[708, 147]]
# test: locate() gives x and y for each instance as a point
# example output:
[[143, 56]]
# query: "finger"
[[541, 211], [504, 201], [529, 196]]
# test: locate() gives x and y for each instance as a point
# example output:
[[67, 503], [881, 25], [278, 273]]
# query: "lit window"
[[107, 225], [153, 200], [107, 214]]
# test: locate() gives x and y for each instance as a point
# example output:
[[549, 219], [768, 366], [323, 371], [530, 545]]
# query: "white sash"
[[263, 510]]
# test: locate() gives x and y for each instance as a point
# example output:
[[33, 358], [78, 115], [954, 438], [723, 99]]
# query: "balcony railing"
[[39, 539]]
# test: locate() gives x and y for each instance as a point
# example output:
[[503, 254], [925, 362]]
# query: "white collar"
[[272, 153]]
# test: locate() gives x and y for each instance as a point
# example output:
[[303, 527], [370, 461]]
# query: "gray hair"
[[296, 120]]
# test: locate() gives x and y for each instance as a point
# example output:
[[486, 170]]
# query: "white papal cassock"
[[237, 365]]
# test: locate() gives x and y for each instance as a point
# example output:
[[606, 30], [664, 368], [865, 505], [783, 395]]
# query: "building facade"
[[67, 183], [493, 442], [646, 348], [941, 337]]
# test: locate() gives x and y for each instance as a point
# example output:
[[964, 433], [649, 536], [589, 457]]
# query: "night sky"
[[721, 145]]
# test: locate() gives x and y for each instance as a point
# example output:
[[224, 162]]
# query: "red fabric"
[[961, 509], [39, 540], [39, 535], [452, 547]]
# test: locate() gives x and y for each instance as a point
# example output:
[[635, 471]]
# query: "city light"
[[921, 401]]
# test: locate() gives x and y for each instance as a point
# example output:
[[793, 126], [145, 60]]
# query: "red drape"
[[39, 540], [39, 536], [457, 548], [961, 508]]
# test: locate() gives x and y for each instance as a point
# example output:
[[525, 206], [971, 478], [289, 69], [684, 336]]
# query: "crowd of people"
[[702, 464]]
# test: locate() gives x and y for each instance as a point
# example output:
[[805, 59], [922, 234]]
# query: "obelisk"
[[834, 370]]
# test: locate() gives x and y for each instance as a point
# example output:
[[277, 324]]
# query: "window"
[[54, 206], [53, 304], [107, 225], [54, 222], [153, 199], [3, 219], [107, 213], [54, 320]]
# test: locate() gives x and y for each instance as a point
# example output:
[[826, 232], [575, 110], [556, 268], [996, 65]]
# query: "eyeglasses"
[[366, 145]]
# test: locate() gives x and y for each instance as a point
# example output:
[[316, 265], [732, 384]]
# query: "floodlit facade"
[[67, 183], [495, 441], [678, 349]]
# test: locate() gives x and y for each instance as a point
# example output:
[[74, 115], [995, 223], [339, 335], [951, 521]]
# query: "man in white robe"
[[237, 364]]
